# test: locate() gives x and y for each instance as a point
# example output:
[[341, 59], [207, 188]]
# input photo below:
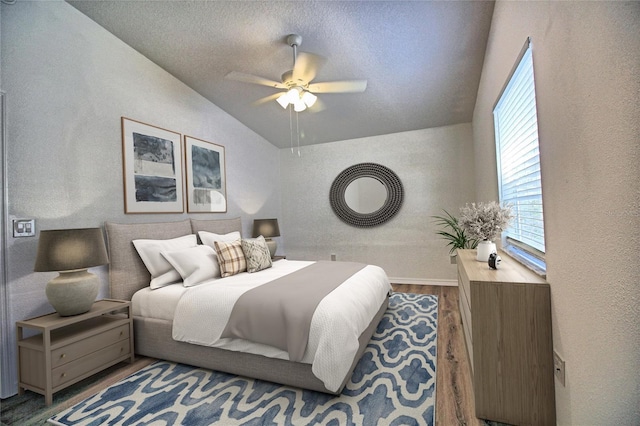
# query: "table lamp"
[[71, 252], [268, 228]]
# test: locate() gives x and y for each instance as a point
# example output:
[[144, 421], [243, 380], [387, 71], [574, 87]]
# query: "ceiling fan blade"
[[266, 99], [307, 66], [253, 79], [347, 86]]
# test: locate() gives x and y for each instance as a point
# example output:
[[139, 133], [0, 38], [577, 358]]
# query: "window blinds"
[[516, 126]]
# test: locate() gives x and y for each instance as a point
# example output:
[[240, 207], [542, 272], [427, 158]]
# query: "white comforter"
[[340, 318]]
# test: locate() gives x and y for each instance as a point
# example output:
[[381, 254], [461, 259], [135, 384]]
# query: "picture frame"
[[206, 178], [152, 168]]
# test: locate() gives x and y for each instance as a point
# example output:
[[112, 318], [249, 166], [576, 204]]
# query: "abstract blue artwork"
[[206, 186], [152, 160]]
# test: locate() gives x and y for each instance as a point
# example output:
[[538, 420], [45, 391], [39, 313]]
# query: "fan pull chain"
[[291, 126], [298, 132]]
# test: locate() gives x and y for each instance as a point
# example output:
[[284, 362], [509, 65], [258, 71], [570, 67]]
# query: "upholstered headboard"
[[127, 273]]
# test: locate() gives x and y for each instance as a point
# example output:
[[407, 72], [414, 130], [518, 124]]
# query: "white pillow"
[[194, 264], [209, 238], [162, 273]]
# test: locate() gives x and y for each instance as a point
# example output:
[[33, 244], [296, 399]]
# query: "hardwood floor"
[[454, 396]]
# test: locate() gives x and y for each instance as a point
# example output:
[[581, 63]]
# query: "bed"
[[154, 329]]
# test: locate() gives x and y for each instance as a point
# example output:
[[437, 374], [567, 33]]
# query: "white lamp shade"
[[294, 95], [283, 100], [309, 99]]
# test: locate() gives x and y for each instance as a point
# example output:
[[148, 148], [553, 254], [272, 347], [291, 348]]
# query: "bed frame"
[[153, 337]]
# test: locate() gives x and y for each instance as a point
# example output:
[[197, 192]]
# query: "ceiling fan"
[[299, 91]]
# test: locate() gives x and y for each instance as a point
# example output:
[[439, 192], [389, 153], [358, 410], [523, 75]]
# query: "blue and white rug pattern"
[[393, 384]]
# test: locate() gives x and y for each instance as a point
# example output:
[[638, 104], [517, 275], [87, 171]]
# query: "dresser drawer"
[[466, 330], [88, 363], [465, 314], [463, 283], [91, 344]]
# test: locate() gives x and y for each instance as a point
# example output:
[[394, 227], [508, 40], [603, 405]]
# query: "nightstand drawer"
[[91, 344], [86, 364]]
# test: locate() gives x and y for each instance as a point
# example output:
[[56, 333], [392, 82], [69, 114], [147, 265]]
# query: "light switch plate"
[[24, 228]]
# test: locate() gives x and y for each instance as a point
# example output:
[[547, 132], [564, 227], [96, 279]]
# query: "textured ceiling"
[[422, 59]]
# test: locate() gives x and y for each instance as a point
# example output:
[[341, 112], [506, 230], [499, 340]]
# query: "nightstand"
[[70, 349]]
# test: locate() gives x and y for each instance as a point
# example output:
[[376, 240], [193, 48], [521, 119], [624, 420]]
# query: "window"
[[517, 150]]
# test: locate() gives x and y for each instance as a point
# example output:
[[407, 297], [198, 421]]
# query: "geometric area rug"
[[394, 383]]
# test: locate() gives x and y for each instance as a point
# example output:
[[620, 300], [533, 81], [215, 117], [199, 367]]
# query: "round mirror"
[[366, 194]]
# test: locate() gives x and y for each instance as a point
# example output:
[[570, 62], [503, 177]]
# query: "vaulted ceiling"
[[422, 59]]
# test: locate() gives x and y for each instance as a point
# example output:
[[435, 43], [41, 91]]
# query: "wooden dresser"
[[506, 317]]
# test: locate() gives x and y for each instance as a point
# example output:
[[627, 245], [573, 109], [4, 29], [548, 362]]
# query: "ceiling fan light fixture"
[[299, 106], [309, 99], [283, 100], [294, 95]]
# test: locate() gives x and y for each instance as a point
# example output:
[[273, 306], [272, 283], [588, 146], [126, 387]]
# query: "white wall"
[[587, 68], [436, 170], [68, 81]]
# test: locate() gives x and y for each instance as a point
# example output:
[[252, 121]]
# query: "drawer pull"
[[121, 333], [63, 356], [63, 375]]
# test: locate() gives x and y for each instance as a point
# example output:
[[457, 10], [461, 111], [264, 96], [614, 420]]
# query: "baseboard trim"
[[423, 281]]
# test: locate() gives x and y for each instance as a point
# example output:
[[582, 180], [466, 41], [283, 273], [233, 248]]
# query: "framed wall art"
[[206, 176], [152, 163]]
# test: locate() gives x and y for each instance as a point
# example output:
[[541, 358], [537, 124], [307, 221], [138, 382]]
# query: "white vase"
[[485, 248]]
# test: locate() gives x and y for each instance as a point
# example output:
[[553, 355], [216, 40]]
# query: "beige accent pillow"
[[230, 258], [257, 254]]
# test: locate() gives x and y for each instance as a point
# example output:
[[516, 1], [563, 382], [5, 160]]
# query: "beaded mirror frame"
[[386, 176]]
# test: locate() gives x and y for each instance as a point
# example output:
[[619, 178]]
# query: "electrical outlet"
[[333, 257], [558, 367]]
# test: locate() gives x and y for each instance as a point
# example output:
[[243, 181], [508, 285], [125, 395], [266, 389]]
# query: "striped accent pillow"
[[230, 258]]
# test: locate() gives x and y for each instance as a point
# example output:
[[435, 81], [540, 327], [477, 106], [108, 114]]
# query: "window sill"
[[534, 263]]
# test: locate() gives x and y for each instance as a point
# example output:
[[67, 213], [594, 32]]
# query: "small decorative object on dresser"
[[268, 228], [70, 349], [484, 222], [494, 260], [506, 321], [71, 252]]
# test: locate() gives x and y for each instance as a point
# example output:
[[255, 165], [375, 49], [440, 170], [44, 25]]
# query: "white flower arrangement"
[[484, 221]]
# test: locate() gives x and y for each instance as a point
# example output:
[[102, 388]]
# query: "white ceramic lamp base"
[[485, 248], [73, 293]]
